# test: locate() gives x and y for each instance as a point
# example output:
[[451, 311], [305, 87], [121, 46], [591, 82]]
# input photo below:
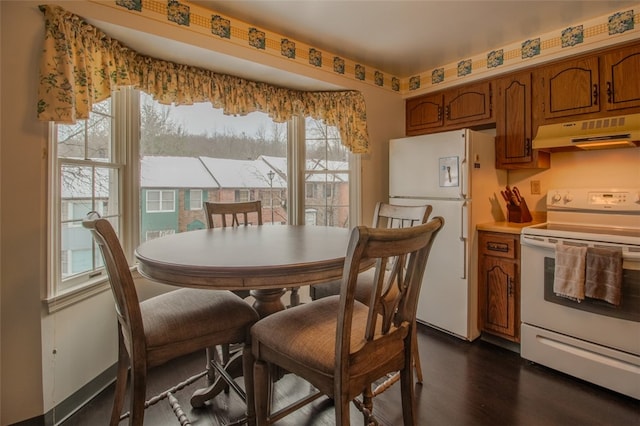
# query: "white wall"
[[583, 169], [23, 187], [32, 379]]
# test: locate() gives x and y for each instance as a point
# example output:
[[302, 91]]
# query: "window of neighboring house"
[[310, 216], [195, 199], [160, 201], [150, 235], [309, 190], [242, 195], [328, 190], [228, 158]]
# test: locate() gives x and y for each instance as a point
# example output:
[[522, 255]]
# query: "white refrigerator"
[[455, 173]]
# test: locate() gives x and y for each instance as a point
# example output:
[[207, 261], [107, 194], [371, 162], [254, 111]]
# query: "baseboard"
[[78, 399], [503, 343]]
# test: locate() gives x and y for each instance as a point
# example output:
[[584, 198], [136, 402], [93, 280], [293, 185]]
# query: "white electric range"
[[592, 339]]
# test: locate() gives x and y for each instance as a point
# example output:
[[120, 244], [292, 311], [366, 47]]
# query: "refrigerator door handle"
[[463, 181], [464, 190], [464, 235]]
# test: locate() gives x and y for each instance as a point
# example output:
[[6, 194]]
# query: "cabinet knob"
[[595, 94], [609, 92]]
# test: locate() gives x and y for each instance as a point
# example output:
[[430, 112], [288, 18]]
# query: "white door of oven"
[[597, 348], [604, 330]]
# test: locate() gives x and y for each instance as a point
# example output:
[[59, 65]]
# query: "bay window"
[[149, 168]]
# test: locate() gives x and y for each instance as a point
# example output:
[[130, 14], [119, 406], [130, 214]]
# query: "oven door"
[[589, 340], [591, 320]]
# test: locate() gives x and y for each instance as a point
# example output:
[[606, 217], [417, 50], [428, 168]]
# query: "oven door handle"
[[529, 240]]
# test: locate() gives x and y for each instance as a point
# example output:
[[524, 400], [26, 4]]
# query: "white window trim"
[[200, 202], [126, 127], [161, 201]]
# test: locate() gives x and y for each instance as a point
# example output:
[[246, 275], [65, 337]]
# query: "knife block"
[[519, 213]]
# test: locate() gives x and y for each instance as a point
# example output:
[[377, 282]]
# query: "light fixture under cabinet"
[[602, 133]]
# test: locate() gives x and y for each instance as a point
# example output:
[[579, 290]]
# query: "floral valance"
[[82, 65]]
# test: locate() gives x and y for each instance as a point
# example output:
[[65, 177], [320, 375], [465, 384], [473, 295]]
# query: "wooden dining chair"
[[340, 345], [223, 214], [233, 214], [385, 216], [163, 327]]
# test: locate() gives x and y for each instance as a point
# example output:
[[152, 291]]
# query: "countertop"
[[512, 227]]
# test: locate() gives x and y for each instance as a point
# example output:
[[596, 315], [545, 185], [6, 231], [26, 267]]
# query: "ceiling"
[[404, 38], [401, 38]]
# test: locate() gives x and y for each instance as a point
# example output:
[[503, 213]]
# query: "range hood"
[[621, 131]]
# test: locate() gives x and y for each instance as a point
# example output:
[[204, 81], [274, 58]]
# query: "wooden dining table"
[[263, 259]]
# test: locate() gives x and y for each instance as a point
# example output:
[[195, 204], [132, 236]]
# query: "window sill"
[[75, 295]]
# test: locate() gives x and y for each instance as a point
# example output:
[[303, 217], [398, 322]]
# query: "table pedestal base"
[[268, 302]]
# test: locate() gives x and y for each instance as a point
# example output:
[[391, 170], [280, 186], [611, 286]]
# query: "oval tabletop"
[[251, 257]]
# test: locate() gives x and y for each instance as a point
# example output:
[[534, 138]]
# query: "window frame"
[[161, 200], [199, 201], [124, 144]]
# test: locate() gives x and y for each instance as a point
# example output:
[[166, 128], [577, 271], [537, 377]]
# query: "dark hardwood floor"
[[465, 384]]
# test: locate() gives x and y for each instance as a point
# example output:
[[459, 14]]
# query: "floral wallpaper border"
[[182, 13]]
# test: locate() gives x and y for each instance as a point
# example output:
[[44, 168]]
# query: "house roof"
[[209, 172], [241, 173], [175, 172]]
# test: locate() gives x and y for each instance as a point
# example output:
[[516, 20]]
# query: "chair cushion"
[[331, 288], [307, 334], [186, 314]]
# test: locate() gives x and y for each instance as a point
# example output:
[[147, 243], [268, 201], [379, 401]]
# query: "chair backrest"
[[233, 214], [393, 322], [120, 279], [395, 216]]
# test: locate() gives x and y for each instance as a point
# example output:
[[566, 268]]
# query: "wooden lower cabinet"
[[499, 284]]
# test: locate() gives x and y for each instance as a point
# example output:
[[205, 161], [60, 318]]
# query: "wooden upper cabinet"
[[621, 79], [465, 106], [468, 105], [592, 86], [570, 88], [512, 99], [424, 113]]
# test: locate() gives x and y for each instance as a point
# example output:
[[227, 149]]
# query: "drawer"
[[498, 245]]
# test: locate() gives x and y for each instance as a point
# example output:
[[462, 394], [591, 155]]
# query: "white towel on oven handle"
[[569, 272]]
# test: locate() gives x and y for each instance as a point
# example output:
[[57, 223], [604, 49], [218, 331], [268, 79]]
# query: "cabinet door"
[[513, 119], [570, 88], [512, 100], [470, 104], [500, 296], [621, 79], [498, 287], [424, 113]]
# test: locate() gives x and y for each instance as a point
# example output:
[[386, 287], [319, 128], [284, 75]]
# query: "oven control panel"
[[625, 199]]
